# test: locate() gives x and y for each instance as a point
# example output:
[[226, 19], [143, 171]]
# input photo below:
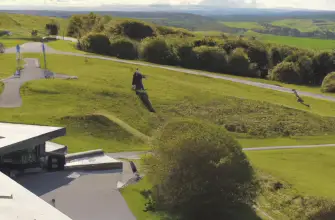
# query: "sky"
[[308, 4]]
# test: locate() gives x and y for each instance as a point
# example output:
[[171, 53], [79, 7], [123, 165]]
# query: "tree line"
[[133, 39]]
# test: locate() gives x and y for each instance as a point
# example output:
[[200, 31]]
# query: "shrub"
[[328, 84], [211, 58], [239, 63], [279, 53], [287, 72], [324, 63], [124, 48], [157, 50], [163, 30], [96, 43], [207, 41], [132, 29], [200, 172], [258, 54], [185, 53]]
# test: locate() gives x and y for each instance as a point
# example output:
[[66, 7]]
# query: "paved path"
[[10, 97], [35, 47], [137, 155]]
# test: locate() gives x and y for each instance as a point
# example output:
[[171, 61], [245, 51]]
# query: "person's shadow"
[[143, 95]]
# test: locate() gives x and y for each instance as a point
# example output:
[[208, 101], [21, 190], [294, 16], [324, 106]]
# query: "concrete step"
[[83, 155], [100, 162]]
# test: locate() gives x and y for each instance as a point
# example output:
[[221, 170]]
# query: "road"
[[35, 47]]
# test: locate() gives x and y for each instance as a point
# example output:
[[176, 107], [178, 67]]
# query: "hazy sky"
[[310, 4]]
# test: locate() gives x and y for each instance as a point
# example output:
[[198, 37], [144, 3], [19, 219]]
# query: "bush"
[[163, 30], [328, 84], [185, 54], [324, 63], [157, 50], [95, 43], [132, 29], [287, 72], [239, 63], [200, 172], [258, 54], [124, 48], [211, 58]]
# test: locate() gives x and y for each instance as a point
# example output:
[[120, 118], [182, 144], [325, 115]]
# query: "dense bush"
[[211, 58], [163, 30], [328, 84], [186, 56], [200, 172], [324, 63], [157, 50], [239, 63], [287, 72], [124, 48], [97, 43], [135, 30]]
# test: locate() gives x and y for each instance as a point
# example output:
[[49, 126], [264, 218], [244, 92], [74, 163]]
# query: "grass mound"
[[254, 118], [328, 84]]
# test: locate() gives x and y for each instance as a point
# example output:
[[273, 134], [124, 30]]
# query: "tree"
[[287, 72], [200, 172], [96, 43], [75, 27], [211, 58], [124, 48], [328, 84], [157, 50], [134, 30], [52, 28]]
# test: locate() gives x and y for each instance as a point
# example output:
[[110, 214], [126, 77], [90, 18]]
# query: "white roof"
[[24, 205], [19, 136]]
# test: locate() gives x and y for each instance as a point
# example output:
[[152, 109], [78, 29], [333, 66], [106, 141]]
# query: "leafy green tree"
[[124, 48], [287, 72], [211, 58], [157, 50], [200, 172], [328, 84], [135, 30], [96, 43], [52, 28]]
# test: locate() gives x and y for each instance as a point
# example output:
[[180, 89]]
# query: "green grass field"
[[306, 25], [9, 42], [245, 25], [63, 45], [8, 65], [101, 111], [307, 43], [21, 25], [308, 170]]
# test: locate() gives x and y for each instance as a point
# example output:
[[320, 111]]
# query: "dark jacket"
[[137, 80]]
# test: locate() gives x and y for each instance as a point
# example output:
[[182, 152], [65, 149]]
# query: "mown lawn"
[[7, 65], [63, 45], [93, 106], [310, 171], [10, 42], [306, 43]]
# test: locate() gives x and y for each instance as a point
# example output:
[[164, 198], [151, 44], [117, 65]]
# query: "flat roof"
[[20, 136], [23, 204]]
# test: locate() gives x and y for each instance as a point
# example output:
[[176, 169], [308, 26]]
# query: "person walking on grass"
[[137, 83]]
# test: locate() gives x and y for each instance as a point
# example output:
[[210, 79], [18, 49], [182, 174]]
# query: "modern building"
[[24, 146]]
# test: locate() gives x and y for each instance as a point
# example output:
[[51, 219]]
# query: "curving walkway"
[[10, 97], [35, 47]]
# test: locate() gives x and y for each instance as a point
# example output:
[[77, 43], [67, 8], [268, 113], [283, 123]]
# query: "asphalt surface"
[[82, 195], [36, 47], [10, 97]]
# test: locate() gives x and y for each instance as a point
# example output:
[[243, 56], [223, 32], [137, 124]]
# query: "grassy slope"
[[91, 106], [306, 169], [306, 25], [62, 45], [22, 25]]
